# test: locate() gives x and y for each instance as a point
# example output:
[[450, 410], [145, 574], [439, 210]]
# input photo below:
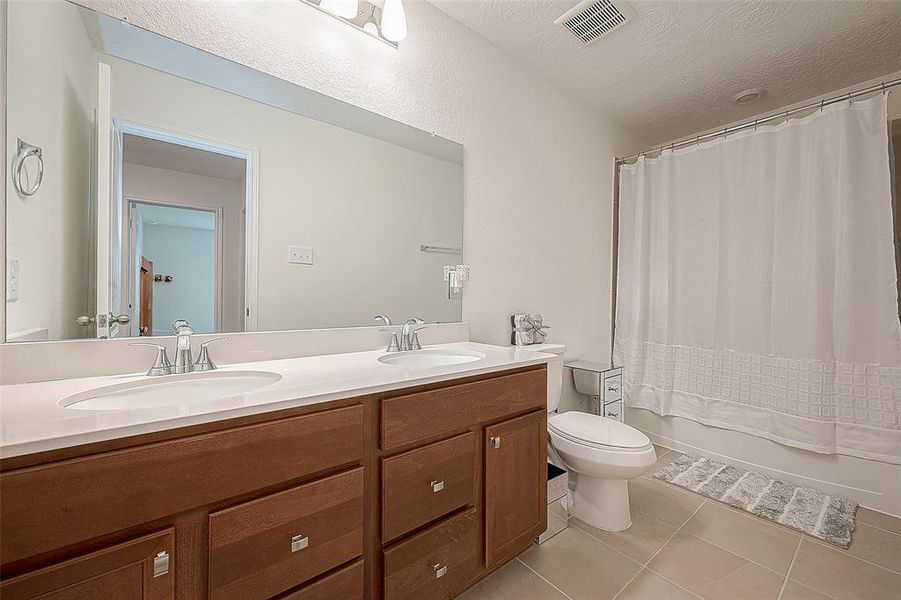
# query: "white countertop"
[[32, 420]]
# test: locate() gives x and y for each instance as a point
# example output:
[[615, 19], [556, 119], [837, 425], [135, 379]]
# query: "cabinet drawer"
[[139, 569], [424, 484], [274, 543], [346, 584], [435, 563], [423, 415], [613, 388], [134, 486]]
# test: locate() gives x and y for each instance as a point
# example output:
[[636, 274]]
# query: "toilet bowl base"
[[601, 503]]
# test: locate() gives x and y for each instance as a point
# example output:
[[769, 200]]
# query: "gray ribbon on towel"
[[528, 329]]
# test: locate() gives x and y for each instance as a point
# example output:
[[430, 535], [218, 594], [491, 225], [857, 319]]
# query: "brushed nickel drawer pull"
[[440, 570], [495, 441], [437, 486], [299, 542], [161, 564]]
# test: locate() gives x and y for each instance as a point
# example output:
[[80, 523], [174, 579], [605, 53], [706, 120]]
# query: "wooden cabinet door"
[[139, 569], [515, 485]]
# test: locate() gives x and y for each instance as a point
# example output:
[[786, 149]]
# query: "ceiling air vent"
[[591, 19]]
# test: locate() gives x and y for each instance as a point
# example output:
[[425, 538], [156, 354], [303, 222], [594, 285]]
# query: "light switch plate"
[[300, 255], [12, 279]]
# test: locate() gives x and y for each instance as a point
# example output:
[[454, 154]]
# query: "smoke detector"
[[748, 96], [591, 19]]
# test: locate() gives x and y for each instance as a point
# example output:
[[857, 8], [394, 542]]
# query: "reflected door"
[[146, 295], [112, 317]]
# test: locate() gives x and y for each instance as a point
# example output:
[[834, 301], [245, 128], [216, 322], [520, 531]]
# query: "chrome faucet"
[[384, 319], [184, 362], [409, 340]]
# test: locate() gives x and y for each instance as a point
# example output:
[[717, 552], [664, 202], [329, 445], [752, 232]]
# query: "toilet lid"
[[597, 430]]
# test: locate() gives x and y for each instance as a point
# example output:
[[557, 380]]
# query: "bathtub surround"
[[810, 511], [748, 309]]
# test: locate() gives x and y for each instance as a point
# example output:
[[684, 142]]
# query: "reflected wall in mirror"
[[179, 185]]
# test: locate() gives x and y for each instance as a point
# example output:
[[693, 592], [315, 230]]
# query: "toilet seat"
[[598, 432]]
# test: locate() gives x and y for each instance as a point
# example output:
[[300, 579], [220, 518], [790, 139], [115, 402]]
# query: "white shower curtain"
[[757, 286]]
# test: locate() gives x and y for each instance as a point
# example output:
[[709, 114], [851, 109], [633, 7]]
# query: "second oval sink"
[[430, 357], [170, 390]]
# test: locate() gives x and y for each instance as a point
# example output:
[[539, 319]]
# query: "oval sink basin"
[[170, 390], [432, 357]]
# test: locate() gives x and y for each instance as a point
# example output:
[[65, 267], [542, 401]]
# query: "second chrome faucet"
[[409, 334], [184, 360]]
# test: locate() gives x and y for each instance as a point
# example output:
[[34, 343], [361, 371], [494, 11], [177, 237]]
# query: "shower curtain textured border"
[[837, 448]]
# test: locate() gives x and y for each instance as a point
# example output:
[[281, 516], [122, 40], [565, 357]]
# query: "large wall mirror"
[[169, 183]]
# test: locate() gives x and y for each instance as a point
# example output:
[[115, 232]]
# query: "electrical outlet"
[[300, 255], [12, 279]]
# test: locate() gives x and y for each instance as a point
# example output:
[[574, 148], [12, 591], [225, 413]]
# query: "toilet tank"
[[554, 371]]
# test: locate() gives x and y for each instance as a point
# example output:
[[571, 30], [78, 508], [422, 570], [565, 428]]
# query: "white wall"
[[189, 256], [141, 182], [364, 205], [50, 105], [538, 163]]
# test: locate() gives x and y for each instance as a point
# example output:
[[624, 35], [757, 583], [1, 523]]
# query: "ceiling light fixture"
[[394, 21], [382, 19], [748, 96]]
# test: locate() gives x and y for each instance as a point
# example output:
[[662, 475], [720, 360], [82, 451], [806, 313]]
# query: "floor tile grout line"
[[540, 576], [659, 550], [603, 543], [615, 549], [665, 578], [858, 522], [844, 552], [733, 553], [790, 567], [807, 587]]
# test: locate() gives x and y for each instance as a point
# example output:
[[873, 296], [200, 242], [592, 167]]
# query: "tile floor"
[[682, 546]]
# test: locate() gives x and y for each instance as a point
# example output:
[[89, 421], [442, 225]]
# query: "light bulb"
[[394, 21], [340, 8]]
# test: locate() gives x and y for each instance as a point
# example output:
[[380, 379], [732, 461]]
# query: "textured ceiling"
[[673, 70]]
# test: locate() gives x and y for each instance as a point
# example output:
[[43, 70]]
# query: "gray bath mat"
[[810, 511]]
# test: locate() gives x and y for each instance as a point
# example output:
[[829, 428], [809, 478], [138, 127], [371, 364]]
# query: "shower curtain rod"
[[883, 87]]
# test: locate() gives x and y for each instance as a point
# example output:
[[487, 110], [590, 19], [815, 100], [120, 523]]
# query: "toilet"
[[600, 454]]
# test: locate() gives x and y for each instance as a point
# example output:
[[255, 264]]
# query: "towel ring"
[[24, 150]]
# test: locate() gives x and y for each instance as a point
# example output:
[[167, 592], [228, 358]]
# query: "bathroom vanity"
[[414, 492]]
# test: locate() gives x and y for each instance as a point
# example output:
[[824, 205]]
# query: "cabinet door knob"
[[440, 570], [299, 542], [495, 441], [161, 564], [437, 486]]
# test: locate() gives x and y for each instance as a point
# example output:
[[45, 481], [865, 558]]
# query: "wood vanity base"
[[416, 493]]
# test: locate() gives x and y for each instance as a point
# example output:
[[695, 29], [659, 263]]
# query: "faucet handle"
[[204, 362], [414, 338], [394, 345], [161, 366]]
